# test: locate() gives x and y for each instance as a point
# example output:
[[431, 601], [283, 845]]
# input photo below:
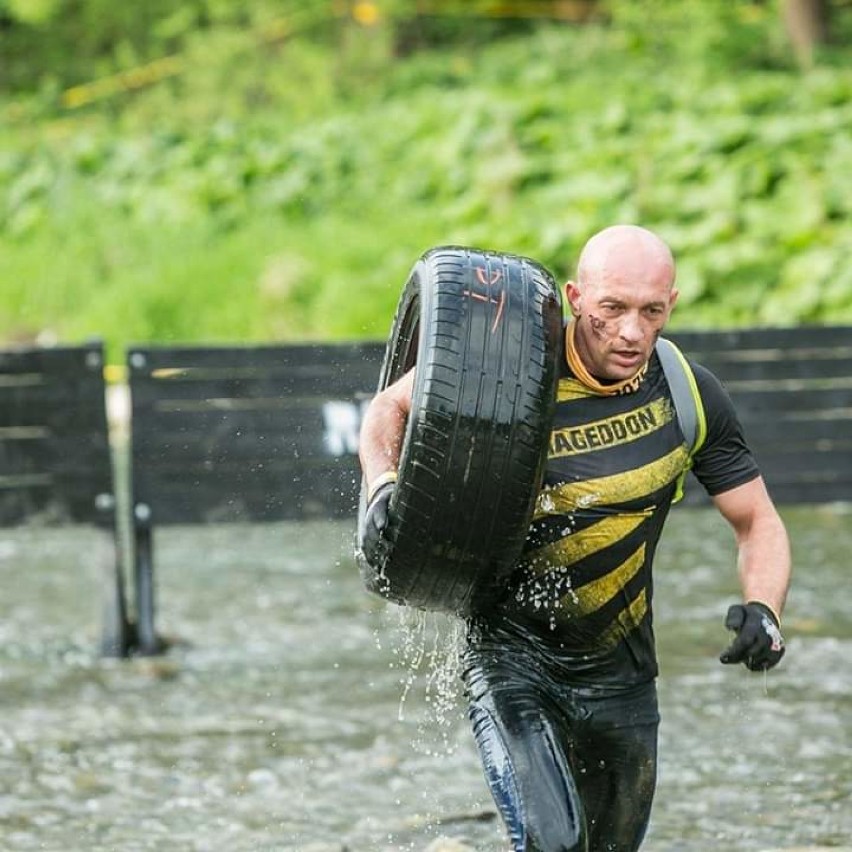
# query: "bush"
[[280, 192]]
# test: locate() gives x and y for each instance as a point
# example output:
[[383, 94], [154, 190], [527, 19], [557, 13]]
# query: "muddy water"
[[291, 712]]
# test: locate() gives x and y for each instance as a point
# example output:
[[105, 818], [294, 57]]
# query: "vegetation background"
[[247, 170]]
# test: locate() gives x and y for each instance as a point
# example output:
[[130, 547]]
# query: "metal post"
[[116, 634], [146, 636]]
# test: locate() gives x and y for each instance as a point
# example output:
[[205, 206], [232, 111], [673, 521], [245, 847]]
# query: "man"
[[560, 676]]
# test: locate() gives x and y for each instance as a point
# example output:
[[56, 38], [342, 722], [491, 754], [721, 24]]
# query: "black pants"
[[571, 769]]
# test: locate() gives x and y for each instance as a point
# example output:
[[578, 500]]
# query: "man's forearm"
[[382, 432], [764, 562], [383, 429]]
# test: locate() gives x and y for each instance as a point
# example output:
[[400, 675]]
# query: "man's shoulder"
[[710, 386]]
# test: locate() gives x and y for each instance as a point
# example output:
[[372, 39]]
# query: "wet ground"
[[291, 714]]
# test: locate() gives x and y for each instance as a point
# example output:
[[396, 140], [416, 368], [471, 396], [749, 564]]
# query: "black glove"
[[374, 544], [758, 643]]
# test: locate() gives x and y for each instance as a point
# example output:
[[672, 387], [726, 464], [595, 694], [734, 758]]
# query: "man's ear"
[[572, 296], [673, 298]]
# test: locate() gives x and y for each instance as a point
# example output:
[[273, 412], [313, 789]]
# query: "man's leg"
[[525, 761], [616, 769]]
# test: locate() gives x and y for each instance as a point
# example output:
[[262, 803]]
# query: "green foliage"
[[51, 44], [284, 190], [735, 33]]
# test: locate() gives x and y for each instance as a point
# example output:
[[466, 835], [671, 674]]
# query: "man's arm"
[[764, 567], [379, 448], [763, 546], [383, 429]]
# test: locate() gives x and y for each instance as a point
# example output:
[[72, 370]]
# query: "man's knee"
[[554, 824], [556, 836]]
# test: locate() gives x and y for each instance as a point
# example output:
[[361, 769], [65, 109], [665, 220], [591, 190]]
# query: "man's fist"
[[758, 643], [373, 541]]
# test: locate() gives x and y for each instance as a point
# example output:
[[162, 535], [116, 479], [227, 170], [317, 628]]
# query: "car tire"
[[484, 330]]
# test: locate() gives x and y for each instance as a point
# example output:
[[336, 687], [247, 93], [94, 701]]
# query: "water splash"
[[410, 651], [427, 648], [548, 590], [445, 672], [545, 502]]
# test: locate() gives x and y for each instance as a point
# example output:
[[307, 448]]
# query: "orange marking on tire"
[[499, 312], [496, 275]]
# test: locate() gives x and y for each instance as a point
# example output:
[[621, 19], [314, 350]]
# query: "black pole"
[[116, 631], [146, 635]]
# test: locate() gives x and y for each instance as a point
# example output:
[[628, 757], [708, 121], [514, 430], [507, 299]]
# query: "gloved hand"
[[758, 643], [373, 541]]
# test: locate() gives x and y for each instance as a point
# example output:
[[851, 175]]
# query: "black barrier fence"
[[55, 460], [241, 433], [792, 389], [219, 434]]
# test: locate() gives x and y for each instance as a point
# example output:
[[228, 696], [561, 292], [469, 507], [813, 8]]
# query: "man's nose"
[[631, 328]]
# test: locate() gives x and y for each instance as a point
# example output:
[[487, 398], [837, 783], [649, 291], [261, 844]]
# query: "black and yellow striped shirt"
[[582, 592]]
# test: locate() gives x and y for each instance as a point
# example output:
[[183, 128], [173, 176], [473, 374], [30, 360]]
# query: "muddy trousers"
[[572, 770]]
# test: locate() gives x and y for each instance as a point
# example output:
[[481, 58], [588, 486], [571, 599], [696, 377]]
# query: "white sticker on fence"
[[342, 424]]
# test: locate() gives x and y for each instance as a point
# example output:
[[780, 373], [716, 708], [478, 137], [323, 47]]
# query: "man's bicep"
[[739, 505]]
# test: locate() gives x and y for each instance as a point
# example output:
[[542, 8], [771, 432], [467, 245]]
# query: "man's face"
[[619, 321]]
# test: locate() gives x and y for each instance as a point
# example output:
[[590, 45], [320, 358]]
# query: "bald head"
[[625, 253], [621, 300]]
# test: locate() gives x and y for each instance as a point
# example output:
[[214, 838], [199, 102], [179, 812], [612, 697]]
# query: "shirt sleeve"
[[724, 460]]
